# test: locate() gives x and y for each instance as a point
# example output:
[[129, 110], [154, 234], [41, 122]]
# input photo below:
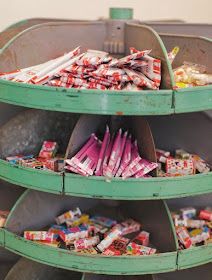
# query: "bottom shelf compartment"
[[197, 255], [36, 210]]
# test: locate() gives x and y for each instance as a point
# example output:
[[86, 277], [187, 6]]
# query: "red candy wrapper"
[[140, 79], [184, 237], [48, 149], [136, 249], [39, 235], [142, 238], [205, 215], [86, 243]]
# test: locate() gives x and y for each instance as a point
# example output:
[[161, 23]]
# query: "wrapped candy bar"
[[3, 217], [135, 249], [179, 167], [39, 235], [69, 215], [86, 243], [108, 240], [71, 234], [48, 149], [184, 237]]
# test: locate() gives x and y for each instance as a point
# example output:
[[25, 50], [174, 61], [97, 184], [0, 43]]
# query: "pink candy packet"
[[105, 143], [114, 155], [126, 157]]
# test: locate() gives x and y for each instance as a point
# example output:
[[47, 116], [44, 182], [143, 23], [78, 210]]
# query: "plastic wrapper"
[[140, 79], [86, 243]]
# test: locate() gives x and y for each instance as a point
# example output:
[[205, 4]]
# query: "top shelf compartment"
[[40, 43]]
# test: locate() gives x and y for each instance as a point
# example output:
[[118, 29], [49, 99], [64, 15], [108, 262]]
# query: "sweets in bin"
[[180, 163], [193, 226], [96, 234]]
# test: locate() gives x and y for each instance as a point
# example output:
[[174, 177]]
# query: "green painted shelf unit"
[[19, 52]]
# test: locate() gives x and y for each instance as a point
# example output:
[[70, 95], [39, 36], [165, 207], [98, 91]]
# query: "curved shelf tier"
[[195, 256], [87, 101], [30, 178], [193, 99], [40, 203], [98, 187], [86, 263], [138, 189]]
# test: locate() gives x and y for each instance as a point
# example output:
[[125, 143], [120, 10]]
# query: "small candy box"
[[117, 248], [48, 149], [103, 221], [71, 234], [188, 212], [54, 164], [135, 249], [179, 167], [40, 235], [200, 165], [206, 215], [142, 238], [17, 159], [3, 217], [184, 237], [86, 243], [69, 215], [108, 240], [128, 226]]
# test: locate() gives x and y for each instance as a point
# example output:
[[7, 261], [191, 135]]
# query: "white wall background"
[[189, 10]]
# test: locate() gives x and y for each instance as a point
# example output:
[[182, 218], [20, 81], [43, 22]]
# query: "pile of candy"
[[116, 156], [193, 227], [94, 235], [3, 216], [46, 159], [183, 163], [191, 75], [94, 70]]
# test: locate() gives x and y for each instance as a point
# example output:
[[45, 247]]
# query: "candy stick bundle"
[[94, 70], [116, 156]]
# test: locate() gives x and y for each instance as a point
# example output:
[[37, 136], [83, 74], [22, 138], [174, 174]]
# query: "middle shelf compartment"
[[71, 132]]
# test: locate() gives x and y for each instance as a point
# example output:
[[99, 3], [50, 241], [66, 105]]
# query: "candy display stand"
[[156, 119]]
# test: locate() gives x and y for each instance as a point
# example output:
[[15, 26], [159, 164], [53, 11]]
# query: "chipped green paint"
[[193, 99], [194, 256], [30, 178], [134, 189], [122, 265], [87, 101]]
